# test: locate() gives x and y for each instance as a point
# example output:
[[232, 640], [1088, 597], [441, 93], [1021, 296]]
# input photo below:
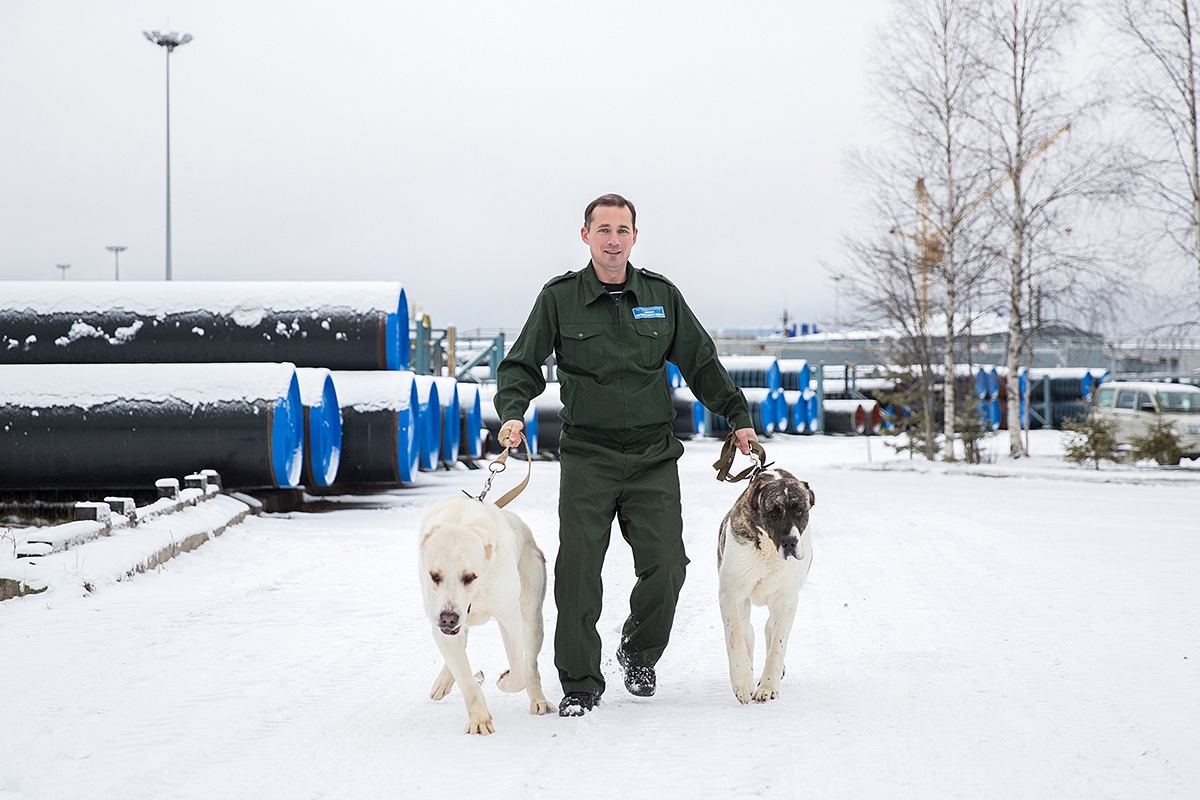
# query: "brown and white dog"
[[477, 562], [763, 554]]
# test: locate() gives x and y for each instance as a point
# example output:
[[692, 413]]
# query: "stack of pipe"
[[339, 325], [380, 428], [987, 395], [319, 325], [451, 419], [322, 426], [848, 416], [120, 426], [767, 408], [429, 422], [1068, 390], [471, 410]]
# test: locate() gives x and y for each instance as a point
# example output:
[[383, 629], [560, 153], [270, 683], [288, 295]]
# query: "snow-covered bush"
[[1091, 439]]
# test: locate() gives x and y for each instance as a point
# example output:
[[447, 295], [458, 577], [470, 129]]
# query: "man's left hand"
[[744, 437]]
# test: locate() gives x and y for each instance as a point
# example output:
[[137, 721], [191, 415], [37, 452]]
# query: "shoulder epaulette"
[[650, 274], [560, 278]]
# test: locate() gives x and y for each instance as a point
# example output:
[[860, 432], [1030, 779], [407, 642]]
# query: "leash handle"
[[497, 466], [729, 451]]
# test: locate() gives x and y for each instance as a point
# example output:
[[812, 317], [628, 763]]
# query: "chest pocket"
[[581, 346], [652, 341]]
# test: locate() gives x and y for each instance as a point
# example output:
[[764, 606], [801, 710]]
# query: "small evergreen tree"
[[1160, 444], [1091, 438], [973, 428]]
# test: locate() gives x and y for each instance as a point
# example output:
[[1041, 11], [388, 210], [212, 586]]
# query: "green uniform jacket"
[[611, 355]]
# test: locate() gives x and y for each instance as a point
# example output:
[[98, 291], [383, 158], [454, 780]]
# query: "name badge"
[[649, 312]]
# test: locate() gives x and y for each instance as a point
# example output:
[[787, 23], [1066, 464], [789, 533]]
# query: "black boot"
[[640, 680], [576, 704]]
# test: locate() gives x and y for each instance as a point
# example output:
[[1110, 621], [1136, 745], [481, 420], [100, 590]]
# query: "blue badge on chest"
[[649, 312]]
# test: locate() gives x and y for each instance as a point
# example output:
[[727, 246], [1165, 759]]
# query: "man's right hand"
[[510, 433]]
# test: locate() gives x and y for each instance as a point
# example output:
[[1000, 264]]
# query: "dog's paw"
[[480, 725], [442, 685], [541, 707], [765, 692], [511, 683], [742, 693]]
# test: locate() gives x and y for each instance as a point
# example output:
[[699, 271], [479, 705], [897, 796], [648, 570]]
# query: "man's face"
[[610, 237]]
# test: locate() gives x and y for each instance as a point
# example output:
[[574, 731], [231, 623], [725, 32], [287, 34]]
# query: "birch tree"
[[1027, 38], [933, 80], [929, 82], [1160, 68]]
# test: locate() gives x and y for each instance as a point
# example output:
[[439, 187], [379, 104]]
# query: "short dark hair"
[[614, 200]]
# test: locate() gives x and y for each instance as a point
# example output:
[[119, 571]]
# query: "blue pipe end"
[[325, 435], [396, 335], [287, 437], [408, 438], [451, 428]]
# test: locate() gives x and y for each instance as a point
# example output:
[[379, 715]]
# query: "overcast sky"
[[451, 146]]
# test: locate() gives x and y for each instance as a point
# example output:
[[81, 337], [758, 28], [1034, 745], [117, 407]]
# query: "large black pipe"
[[339, 325], [124, 426], [380, 438]]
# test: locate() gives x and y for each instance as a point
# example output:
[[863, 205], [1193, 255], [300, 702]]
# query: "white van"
[[1136, 404]]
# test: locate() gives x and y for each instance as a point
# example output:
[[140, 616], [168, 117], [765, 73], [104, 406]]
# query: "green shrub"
[[1091, 439], [1160, 444]]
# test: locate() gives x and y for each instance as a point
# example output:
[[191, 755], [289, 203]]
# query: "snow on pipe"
[[987, 382], [845, 416], [492, 421], [874, 421], [753, 372], [795, 374], [471, 418], [380, 440], [451, 418], [120, 426], [322, 426], [797, 409], [1066, 383], [342, 325], [429, 421]]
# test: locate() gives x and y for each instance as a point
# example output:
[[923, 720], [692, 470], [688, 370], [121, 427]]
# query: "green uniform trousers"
[[638, 483]]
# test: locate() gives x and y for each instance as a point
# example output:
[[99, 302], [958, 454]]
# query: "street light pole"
[[168, 41], [64, 268], [116, 250]]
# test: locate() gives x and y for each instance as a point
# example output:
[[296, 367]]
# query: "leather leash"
[[497, 466], [729, 451]]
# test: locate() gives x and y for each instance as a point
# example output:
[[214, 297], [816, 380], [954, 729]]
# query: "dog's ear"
[[812, 496], [487, 552], [429, 533]]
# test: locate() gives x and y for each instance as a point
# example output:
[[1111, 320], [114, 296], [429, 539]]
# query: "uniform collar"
[[592, 288]]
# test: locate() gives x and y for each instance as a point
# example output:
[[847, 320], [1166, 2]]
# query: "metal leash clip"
[[495, 468]]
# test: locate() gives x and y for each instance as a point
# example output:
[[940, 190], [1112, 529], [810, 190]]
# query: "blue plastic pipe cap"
[[287, 436]]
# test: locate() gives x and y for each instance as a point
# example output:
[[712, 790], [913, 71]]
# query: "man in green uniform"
[[612, 327]]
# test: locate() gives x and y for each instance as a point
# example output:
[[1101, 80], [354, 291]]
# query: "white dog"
[[763, 554], [477, 562]]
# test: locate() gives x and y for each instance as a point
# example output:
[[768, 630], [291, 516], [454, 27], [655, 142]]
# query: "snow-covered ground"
[[1024, 629]]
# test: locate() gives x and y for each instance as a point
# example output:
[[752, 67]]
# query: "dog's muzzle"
[[789, 547], [449, 623]]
